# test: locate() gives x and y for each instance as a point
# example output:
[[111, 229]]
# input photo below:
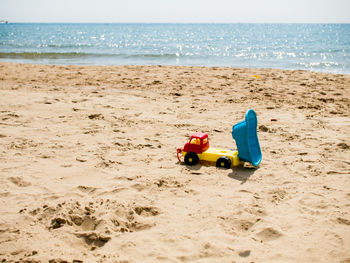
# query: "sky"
[[177, 11]]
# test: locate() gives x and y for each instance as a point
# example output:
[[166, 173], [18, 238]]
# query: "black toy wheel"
[[224, 162], [191, 158]]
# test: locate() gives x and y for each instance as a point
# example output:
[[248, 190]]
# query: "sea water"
[[315, 47]]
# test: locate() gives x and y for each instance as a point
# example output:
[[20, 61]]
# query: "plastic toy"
[[245, 135]]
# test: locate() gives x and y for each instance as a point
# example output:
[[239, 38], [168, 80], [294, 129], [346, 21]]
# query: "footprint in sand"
[[269, 234], [93, 238], [19, 181], [86, 189], [96, 116], [233, 225], [95, 222]]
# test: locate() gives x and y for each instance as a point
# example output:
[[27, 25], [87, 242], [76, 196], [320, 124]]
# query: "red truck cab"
[[198, 143]]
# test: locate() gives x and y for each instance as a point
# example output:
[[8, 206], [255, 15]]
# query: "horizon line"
[[182, 22]]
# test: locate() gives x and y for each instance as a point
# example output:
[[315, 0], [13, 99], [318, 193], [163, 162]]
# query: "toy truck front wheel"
[[191, 158]]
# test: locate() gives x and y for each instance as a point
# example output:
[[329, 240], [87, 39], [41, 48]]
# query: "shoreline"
[[89, 167], [161, 65]]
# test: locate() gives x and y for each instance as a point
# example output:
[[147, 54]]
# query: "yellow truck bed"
[[213, 154]]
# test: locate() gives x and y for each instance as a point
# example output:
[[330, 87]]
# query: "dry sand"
[[89, 170]]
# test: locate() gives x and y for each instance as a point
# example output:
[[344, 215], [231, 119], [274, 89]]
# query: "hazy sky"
[[290, 11]]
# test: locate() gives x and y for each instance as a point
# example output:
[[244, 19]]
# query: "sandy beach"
[[89, 171]]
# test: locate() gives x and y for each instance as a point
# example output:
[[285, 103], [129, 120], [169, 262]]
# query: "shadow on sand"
[[242, 173]]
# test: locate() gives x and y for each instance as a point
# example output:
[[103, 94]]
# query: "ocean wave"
[[166, 55], [320, 64], [45, 55], [75, 55]]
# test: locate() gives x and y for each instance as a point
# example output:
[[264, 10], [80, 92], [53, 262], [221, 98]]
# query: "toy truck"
[[245, 135]]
